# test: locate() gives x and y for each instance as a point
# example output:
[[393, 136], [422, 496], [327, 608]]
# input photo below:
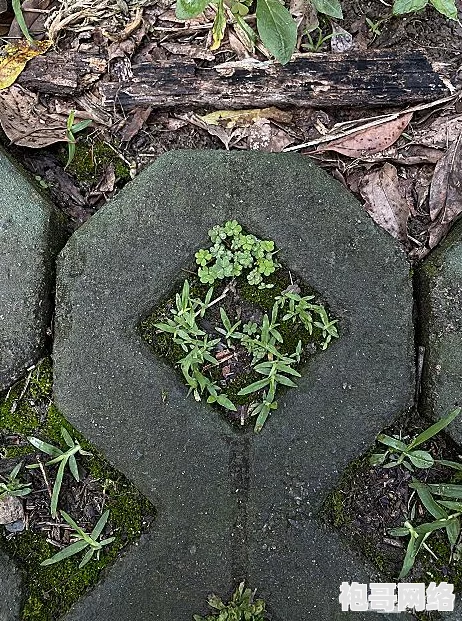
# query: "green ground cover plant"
[[206, 326], [242, 607], [104, 510], [276, 27], [411, 494]]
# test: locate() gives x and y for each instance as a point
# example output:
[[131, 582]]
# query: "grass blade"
[[434, 429], [57, 488], [74, 548], [254, 387], [21, 21], [49, 449], [100, 524], [426, 498], [73, 468]]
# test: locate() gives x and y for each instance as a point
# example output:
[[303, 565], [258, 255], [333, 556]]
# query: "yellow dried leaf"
[[13, 59], [243, 118]]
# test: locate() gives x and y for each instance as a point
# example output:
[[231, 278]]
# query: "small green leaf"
[[57, 488], [450, 464], [285, 381], [377, 459], [276, 29], [86, 558], [226, 403], [400, 7], [74, 548], [434, 429], [101, 523], [333, 8], [450, 490], [446, 8], [254, 387], [187, 9], [421, 459], [432, 506], [219, 26], [392, 442], [67, 437], [49, 449]]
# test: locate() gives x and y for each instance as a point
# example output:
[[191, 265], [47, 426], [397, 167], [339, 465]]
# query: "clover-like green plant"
[[234, 252], [242, 607], [398, 452], [82, 541], [63, 458], [12, 486]]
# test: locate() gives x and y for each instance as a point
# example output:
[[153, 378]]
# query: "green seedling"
[[315, 44], [399, 452], [82, 541], [242, 607], [447, 514], [72, 129], [63, 458], [12, 486]]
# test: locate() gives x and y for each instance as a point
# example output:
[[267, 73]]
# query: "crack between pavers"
[[239, 480]]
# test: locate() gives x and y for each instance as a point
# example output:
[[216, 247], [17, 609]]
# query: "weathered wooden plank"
[[314, 80]]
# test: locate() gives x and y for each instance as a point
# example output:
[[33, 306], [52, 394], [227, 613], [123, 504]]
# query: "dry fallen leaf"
[[28, 123], [138, 116], [370, 140], [445, 198], [385, 200], [14, 57], [264, 136], [441, 133], [243, 118]]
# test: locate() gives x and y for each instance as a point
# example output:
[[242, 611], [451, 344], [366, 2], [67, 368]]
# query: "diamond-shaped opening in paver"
[[49, 591], [245, 309], [372, 498]]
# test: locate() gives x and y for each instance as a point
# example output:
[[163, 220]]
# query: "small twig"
[[379, 120], [15, 403], [45, 478]]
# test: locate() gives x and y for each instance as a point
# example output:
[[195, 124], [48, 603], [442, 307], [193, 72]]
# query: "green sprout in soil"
[[12, 486], [63, 458], [202, 328], [241, 607], [27, 413], [443, 501], [82, 541]]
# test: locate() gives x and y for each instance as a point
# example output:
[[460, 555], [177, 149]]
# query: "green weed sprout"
[[400, 453], [242, 607], [72, 129], [83, 541], [62, 458], [12, 486]]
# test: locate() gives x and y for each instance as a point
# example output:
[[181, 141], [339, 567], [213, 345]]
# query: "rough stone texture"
[[29, 242], [231, 506], [440, 284], [10, 589]]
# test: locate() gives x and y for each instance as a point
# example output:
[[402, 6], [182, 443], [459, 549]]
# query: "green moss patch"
[[51, 590]]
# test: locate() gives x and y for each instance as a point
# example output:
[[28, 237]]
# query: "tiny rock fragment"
[[11, 510]]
